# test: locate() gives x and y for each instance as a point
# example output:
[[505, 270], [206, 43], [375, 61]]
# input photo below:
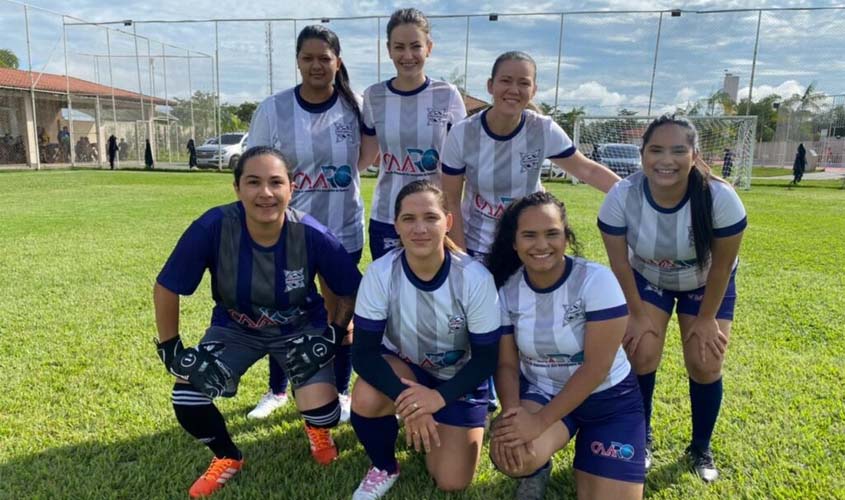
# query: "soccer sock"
[[342, 367], [705, 401], [646, 383], [324, 417], [378, 436], [198, 415], [278, 378]]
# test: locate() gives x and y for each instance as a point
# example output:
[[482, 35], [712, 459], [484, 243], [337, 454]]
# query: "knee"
[[646, 359], [704, 372], [368, 402], [451, 483]]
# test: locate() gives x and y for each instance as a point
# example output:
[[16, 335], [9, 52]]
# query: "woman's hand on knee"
[[711, 342], [639, 325], [421, 433]]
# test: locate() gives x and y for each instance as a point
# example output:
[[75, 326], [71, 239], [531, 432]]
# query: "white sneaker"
[[375, 484], [267, 404], [345, 406]]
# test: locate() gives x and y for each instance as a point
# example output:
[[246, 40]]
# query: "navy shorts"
[[243, 348], [608, 427], [383, 238], [688, 302], [469, 410]]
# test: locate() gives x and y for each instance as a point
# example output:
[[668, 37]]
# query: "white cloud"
[[785, 90], [686, 94]]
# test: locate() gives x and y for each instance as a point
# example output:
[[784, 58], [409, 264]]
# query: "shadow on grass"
[[665, 475]]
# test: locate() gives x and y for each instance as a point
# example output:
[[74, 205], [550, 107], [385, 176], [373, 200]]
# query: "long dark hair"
[[408, 16], [700, 197], [341, 78], [425, 186], [503, 260]]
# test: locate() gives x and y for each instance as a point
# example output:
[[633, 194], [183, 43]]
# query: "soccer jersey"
[[499, 168], [429, 323], [660, 240], [322, 142], [255, 287], [411, 128], [549, 324]]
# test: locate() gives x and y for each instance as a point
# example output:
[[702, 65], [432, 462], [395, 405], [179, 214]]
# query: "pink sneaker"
[[375, 484]]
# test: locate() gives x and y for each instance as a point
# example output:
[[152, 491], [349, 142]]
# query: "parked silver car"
[[231, 148], [623, 159]]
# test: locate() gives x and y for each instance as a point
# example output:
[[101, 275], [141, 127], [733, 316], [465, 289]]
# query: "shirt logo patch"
[[442, 359], [574, 312], [391, 243], [345, 132], [654, 289], [530, 160], [437, 115], [294, 279], [456, 324]]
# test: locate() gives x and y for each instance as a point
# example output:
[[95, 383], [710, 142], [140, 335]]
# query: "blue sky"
[[606, 65]]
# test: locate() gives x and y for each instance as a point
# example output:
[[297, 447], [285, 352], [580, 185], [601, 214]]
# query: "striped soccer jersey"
[[270, 289], [660, 240], [322, 142], [498, 168], [549, 324], [411, 128], [430, 323]]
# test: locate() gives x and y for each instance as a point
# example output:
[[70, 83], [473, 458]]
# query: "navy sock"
[[198, 415], [278, 378], [342, 367], [378, 436], [705, 401], [646, 383]]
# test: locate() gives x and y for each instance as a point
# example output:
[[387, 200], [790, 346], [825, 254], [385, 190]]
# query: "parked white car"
[[232, 146]]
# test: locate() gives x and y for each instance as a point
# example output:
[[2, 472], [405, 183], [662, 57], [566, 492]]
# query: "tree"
[[767, 116], [457, 79], [721, 99], [8, 59]]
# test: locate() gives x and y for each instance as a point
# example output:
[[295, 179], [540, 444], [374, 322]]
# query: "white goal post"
[[610, 140]]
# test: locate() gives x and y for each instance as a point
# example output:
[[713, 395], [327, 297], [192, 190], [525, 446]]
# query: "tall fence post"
[[140, 96], [69, 100], [466, 60], [654, 66], [191, 97], [32, 143], [166, 105], [754, 63], [111, 85], [217, 95]]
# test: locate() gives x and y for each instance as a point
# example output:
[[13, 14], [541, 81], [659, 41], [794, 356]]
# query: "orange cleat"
[[218, 473], [323, 448]]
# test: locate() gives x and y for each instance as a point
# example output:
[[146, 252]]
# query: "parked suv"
[[623, 159], [231, 148]]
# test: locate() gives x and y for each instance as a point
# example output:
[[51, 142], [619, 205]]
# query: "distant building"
[[731, 86]]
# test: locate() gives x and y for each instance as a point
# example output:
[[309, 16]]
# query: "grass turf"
[[86, 410]]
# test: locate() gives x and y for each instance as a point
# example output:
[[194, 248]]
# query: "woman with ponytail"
[[316, 125], [672, 234]]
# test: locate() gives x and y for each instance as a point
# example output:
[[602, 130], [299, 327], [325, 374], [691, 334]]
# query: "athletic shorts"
[[688, 302], [608, 428], [383, 238], [243, 348], [469, 410]]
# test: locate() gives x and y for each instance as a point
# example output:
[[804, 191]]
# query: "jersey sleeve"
[[260, 131], [334, 263], [452, 161], [603, 297], [505, 314], [729, 216], [457, 108], [482, 310], [372, 302], [182, 273], [611, 218], [368, 125], [558, 143]]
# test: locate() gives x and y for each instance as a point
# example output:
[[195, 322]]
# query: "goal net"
[[726, 142]]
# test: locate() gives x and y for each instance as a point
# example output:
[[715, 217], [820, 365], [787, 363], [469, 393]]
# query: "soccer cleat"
[[702, 463], [375, 484], [649, 456], [534, 487], [215, 477], [345, 406], [323, 448], [267, 404]]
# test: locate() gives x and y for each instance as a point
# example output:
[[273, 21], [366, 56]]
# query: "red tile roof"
[[473, 104], [19, 79]]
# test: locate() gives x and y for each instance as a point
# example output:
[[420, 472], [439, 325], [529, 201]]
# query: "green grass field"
[[85, 407]]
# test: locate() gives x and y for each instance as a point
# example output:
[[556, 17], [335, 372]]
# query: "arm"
[[481, 365], [453, 187], [369, 151], [343, 311], [507, 373], [167, 312], [370, 364], [585, 169]]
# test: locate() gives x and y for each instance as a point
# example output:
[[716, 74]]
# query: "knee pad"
[[324, 417]]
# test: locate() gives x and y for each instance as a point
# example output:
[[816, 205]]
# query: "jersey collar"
[[497, 137], [415, 91], [320, 107], [557, 284], [435, 282]]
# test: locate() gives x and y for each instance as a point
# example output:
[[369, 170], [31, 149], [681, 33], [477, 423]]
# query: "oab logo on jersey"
[[492, 210], [345, 132], [437, 115], [414, 162], [620, 451], [330, 178], [530, 160], [294, 279]]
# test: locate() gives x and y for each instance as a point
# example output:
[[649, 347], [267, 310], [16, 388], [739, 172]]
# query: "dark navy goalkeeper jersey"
[[261, 288]]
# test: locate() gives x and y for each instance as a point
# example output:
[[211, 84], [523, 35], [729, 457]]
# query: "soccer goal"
[[726, 142]]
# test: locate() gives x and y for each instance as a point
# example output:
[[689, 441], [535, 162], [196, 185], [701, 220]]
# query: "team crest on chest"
[[437, 115], [574, 312], [691, 236], [294, 279], [456, 324], [344, 131], [530, 160]]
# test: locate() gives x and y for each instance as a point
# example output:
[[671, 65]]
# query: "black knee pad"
[[324, 417]]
